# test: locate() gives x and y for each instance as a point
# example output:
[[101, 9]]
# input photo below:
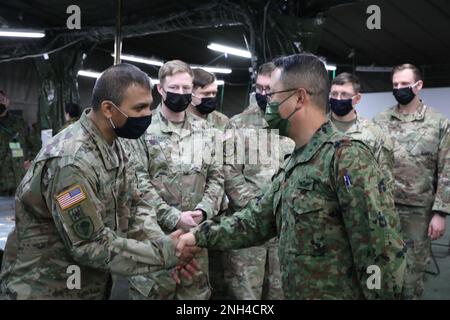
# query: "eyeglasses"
[[270, 94], [343, 95], [261, 89]]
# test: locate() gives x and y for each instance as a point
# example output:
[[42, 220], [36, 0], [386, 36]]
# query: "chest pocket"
[[309, 219], [305, 199], [425, 144]]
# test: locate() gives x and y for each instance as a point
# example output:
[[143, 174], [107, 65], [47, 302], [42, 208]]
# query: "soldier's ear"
[[106, 108]]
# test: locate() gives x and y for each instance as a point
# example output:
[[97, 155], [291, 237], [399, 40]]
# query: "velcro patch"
[[71, 197]]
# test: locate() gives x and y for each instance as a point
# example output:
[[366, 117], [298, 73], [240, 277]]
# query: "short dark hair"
[[114, 81], [344, 78], [308, 71], [413, 68], [202, 78], [72, 109], [266, 69]]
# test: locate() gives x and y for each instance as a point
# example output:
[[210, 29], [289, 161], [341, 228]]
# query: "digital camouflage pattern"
[[252, 273], [217, 120], [422, 181], [15, 148], [334, 216], [380, 143], [73, 208], [422, 157], [181, 166], [68, 123]]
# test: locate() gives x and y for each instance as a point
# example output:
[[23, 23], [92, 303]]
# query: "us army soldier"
[[72, 207], [344, 96], [253, 273], [181, 165], [421, 171]]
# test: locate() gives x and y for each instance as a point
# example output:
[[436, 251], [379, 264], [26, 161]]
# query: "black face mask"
[[133, 128], [261, 100], [2, 108], [177, 102], [207, 105], [404, 95], [341, 107]]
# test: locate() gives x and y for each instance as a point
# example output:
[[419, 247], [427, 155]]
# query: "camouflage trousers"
[[254, 273], [161, 286], [414, 222]]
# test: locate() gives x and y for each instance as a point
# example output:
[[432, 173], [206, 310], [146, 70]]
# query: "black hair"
[[114, 81]]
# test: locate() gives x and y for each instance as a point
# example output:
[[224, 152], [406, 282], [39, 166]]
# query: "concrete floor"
[[437, 287]]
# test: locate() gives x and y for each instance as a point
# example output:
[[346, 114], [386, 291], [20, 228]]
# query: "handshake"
[[186, 252]]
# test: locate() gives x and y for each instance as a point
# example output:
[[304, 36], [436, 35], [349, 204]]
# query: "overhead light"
[[127, 57], [230, 50], [213, 69], [90, 74], [21, 33], [96, 75], [220, 82], [373, 69], [330, 67]]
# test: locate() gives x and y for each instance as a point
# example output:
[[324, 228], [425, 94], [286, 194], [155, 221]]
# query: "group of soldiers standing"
[[173, 201]]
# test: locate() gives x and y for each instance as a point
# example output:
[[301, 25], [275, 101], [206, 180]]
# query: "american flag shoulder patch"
[[70, 197]]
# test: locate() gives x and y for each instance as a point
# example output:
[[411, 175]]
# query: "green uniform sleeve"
[[254, 225], [238, 190], [79, 217], [442, 198], [371, 221]]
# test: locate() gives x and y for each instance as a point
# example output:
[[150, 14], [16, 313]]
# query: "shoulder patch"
[[71, 197], [84, 228]]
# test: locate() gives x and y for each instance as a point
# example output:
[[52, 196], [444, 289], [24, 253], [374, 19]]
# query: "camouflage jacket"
[[73, 208], [331, 231], [15, 148], [379, 142], [182, 166], [68, 123], [244, 179], [422, 157], [217, 120]]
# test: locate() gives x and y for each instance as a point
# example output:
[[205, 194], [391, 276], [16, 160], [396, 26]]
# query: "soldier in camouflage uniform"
[[178, 151], [253, 273], [204, 100], [344, 96], [15, 148], [422, 171], [337, 225], [73, 205], [203, 105]]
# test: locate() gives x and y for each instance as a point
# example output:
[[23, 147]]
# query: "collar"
[[419, 115], [324, 134], [107, 153]]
